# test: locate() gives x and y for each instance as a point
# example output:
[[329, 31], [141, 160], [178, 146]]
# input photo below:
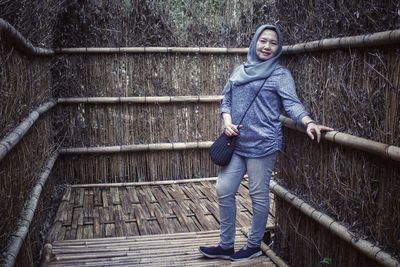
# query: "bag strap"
[[259, 90]]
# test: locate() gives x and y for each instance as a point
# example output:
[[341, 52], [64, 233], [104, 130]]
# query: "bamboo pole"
[[375, 39], [19, 41], [138, 147], [17, 238], [9, 141], [141, 99], [166, 182], [268, 251], [335, 227], [373, 147], [367, 40]]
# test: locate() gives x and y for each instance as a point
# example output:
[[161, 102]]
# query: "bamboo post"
[[9, 141], [16, 39], [373, 147], [17, 238], [335, 227]]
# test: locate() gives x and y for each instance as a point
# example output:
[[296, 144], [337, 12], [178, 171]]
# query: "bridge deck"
[[143, 223]]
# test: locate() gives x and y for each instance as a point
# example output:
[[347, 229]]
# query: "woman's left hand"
[[315, 129]]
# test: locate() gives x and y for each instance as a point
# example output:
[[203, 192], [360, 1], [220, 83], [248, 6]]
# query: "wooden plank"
[[109, 230], [96, 223], [114, 193], [154, 250], [104, 197], [140, 219], [133, 197], [162, 200], [125, 203]]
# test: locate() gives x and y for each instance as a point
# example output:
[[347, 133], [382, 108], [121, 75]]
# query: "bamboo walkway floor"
[[148, 224], [98, 211], [180, 249]]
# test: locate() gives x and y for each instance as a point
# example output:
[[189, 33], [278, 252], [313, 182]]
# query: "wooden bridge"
[[144, 224], [115, 131]]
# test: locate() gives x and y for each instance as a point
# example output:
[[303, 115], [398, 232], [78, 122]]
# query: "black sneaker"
[[246, 253], [217, 252]]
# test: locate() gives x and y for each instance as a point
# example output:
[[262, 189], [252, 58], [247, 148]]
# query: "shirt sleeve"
[[290, 101], [226, 103]]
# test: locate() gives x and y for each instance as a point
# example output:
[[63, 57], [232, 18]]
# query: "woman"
[[260, 138]]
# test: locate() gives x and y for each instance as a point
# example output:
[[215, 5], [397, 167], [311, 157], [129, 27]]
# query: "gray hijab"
[[254, 68]]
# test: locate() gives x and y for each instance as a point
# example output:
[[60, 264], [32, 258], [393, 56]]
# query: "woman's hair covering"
[[254, 68]]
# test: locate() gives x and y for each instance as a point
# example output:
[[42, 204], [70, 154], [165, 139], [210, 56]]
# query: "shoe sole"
[[225, 257], [257, 254]]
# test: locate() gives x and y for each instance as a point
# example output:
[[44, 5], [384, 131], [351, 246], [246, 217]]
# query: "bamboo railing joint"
[[16, 39]]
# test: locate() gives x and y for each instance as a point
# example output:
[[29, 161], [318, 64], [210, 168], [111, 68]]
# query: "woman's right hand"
[[232, 129]]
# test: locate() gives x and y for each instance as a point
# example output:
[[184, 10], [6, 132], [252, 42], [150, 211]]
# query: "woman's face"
[[267, 45]]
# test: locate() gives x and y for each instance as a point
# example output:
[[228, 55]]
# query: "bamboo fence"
[[17, 238], [367, 40], [348, 140], [9, 141], [367, 248]]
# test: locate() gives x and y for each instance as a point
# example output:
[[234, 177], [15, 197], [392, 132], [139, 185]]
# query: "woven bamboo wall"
[[85, 125], [154, 74], [355, 91], [25, 84], [88, 125], [303, 242]]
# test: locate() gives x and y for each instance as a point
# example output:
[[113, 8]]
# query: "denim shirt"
[[261, 134]]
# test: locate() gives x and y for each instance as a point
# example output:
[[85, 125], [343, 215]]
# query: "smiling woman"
[[258, 89], [267, 45]]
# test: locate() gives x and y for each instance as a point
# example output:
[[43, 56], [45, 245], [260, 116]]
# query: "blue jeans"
[[259, 171]]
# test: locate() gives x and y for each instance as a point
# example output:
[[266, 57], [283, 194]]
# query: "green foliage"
[[326, 261]]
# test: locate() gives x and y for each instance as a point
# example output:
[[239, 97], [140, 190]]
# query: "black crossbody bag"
[[221, 150]]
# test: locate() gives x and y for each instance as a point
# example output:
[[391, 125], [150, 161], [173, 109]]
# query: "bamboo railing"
[[335, 227], [9, 141], [366, 40], [139, 147], [142, 99], [377, 148], [348, 140], [17, 238], [19, 41], [268, 251]]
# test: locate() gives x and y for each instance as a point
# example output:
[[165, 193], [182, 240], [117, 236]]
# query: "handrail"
[[141, 99], [365, 40], [367, 145], [338, 229], [375, 39], [136, 147], [7, 143], [19, 41], [10, 140], [17, 238]]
